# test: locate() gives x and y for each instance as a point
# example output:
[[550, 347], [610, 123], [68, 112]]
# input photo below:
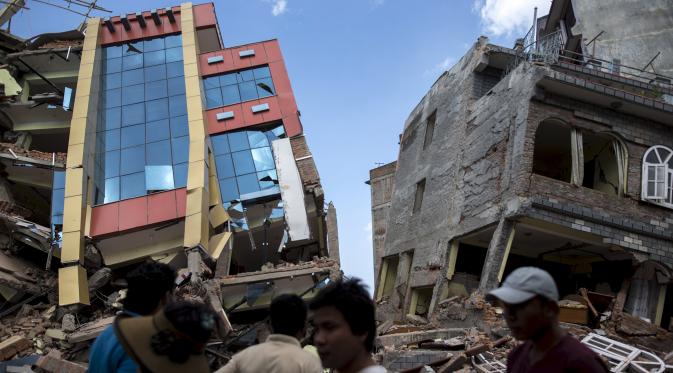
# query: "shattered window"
[[142, 141], [244, 162], [232, 88]]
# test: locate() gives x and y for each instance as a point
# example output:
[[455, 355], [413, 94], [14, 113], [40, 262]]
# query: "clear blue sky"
[[357, 67]]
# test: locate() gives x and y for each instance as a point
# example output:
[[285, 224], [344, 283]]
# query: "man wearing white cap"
[[529, 298]]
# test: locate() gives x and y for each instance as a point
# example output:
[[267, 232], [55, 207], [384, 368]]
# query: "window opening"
[[602, 169], [420, 301], [388, 276], [429, 129], [418, 197], [552, 156], [657, 176]]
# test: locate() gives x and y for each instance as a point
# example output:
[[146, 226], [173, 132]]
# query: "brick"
[[12, 346]]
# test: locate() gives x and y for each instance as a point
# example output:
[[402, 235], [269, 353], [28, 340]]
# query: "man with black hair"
[[281, 352], [529, 298], [343, 315], [150, 287]]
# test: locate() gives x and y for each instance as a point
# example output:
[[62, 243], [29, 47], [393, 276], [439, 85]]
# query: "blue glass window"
[[113, 81], [155, 73], [244, 85], [159, 153], [132, 160], [176, 86], [133, 114], [57, 198], [133, 77], [112, 118], [238, 141], [174, 54], [243, 163], [180, 175], [132, 186], [247, 183], [225, 167], [248, 91], [263, 159], [180, 149], [159, 178], [156, 131], [132, 136], [228, 190], [230, 95], [179, 126], [177, 105], [142, 128], [175, 69], [155, 58], [157, 109], [242, 170], [155, 90], [132, 62], [111, 140], [133, 94], [111, 192], [112, 66]]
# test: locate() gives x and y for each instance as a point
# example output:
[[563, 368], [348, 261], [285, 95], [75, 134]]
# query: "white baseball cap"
[[523, 284]]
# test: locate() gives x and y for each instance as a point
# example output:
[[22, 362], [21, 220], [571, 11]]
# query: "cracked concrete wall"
[[634, 30], [381, 182]]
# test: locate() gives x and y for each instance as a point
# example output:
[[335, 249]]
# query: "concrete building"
[[145, 138], [536, 155]]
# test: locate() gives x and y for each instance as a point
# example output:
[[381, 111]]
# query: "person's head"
[[529, 298], [343, 315], [149, 287], [288, 315], [171, 340]]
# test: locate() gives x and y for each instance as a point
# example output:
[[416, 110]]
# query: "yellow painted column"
[[510, 240], [453, 255], [660, 304], [382, 279], [72, 281], [197, 228]]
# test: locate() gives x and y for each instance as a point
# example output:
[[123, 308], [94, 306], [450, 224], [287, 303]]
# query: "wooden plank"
[[90, 330]]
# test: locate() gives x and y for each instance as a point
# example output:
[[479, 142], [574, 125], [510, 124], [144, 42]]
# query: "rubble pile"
[[485, 346], [34, 154]]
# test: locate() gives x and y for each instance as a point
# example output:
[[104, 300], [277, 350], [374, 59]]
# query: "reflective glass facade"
[[244, 162], [232, 88], [142, 142]]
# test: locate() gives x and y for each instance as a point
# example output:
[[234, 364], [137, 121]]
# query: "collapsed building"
[[142, 137], [550, 154]]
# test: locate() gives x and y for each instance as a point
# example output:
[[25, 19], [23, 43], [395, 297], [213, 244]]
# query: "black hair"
[[195, 323], [353, 301], [288, 314], [147, 285]]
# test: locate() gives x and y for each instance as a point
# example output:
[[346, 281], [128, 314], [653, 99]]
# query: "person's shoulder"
[[580, 357]]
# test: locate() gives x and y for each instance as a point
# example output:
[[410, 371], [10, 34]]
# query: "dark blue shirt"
[[108, 356]]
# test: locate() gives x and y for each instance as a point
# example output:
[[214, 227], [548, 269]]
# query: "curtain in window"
[[622, 165], [577, 175]]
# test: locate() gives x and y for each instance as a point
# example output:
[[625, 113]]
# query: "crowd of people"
[[154, 333]]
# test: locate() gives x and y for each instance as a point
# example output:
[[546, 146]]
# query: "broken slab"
[[90, 330], [13, 345], [53, 363]]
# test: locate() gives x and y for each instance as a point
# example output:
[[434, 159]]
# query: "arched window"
[[552, 155], [657, 178]]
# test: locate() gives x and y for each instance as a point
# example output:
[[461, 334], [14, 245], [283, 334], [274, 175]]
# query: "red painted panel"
[[272, 50], [204, 15], [161, 207], [107, 37], [245, 62], [181, 201], [216, 127], [292, 125], [136, 32], [132, 213], [274, 109], [281, 82], [249, 117], [170, 28], [105, 219], [215, 68]]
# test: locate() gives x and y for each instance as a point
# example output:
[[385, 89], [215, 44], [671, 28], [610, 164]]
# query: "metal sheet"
[[291, 190]]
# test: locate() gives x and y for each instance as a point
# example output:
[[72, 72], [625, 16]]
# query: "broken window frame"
[[659, 174]]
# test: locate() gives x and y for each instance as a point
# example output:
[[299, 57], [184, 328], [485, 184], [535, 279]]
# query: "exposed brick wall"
[[305, 164]]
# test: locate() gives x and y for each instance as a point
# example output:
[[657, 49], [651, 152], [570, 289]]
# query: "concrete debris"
[[69, 324], [53, 363], [13, 346]]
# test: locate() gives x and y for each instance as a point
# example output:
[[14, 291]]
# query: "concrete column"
[[496, 255], [332, 233], [398, 298]]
